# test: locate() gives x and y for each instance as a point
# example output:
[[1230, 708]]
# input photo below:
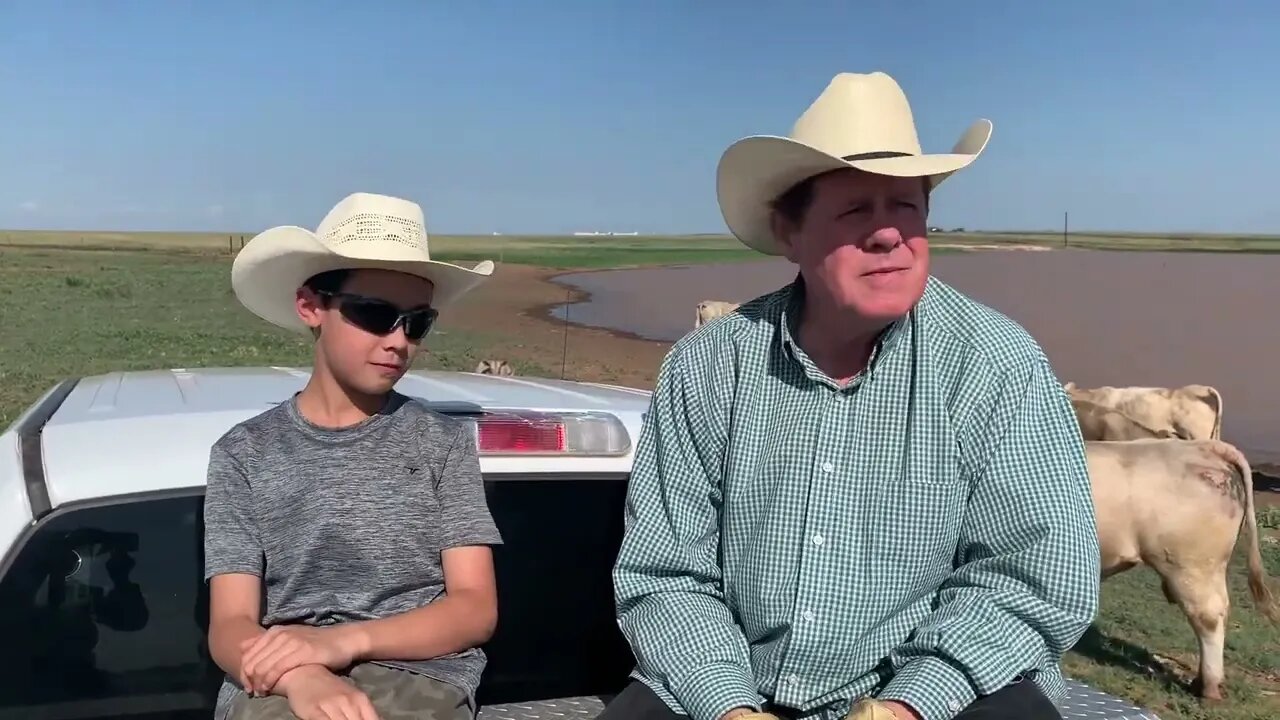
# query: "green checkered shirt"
[[925, 533]]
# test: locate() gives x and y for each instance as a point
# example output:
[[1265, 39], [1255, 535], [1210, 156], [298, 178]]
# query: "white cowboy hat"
[[860, 121], [362, 231]]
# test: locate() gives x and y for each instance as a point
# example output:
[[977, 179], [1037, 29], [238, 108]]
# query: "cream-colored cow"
[[1098, 422], [1176, 507], [1191, 412], [709, 310], [495, 367]]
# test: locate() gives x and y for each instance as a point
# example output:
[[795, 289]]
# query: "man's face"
[[861, 243], [362, 359]]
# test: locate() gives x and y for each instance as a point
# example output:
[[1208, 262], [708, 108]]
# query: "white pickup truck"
[[102, 605]]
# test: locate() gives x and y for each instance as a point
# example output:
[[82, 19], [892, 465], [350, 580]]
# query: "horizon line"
[[958, 230]]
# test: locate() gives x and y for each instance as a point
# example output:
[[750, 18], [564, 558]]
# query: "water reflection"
[[1102, 317]]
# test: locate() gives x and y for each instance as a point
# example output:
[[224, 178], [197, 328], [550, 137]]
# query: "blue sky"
[[609, 115]]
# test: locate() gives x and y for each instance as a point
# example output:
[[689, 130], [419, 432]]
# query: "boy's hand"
[[284, 647], [315, 693]]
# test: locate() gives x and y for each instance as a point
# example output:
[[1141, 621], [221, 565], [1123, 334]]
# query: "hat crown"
[[368, 219], [860, 115]]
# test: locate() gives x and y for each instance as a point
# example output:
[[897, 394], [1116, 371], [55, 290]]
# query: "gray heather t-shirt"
[[347, 524]]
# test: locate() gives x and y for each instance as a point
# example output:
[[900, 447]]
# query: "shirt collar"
[[792, 305]]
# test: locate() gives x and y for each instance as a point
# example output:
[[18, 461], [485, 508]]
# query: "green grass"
[[544, 250], [77, 312], [1142, 649], [561, 251], [1138, 241], [70, 313]]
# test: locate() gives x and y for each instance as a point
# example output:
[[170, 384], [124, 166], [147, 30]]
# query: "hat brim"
[[754, 171], [268, 271]]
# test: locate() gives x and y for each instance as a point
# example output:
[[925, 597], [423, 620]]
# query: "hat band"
[[876, 155]]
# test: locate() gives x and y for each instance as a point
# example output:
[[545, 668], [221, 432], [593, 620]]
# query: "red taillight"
[[501, 435]]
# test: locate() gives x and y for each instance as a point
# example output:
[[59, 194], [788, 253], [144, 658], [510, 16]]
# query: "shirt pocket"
[[916, 525]]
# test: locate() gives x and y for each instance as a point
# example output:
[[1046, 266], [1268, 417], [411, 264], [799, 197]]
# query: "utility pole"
[[1064, 229]]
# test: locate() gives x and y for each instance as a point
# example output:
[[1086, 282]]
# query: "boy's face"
[[351, 345]]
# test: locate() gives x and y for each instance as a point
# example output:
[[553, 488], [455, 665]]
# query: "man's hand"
[[900, 710], [315, 693], [282, 648], [872, 709], [746, 713]]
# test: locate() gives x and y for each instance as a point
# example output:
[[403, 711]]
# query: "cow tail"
[[1217, 416], [1257, 571]]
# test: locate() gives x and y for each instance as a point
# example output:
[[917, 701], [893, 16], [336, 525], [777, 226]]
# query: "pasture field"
[[562, 252], [72, 312], [1136, 241], [603, 251], [133, 301]]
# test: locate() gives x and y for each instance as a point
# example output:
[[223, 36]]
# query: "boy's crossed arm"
[[234, 601], [313, 690], [464, 618]]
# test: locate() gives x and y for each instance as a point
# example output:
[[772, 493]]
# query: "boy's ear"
[[310, 308]]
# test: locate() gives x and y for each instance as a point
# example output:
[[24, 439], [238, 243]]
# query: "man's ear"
[[309, 307], [784, 232]]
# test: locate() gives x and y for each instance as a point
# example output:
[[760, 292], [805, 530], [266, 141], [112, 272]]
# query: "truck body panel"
[[136, 432]]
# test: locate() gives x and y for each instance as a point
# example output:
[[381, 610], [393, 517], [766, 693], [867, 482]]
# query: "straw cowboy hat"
[[860, 121], [363, 231]]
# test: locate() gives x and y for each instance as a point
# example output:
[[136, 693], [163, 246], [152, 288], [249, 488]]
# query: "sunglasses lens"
[[417, 324], [375, 316], [379, 317]]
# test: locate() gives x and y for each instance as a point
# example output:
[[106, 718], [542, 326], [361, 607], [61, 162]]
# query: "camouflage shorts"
[[395, 694]]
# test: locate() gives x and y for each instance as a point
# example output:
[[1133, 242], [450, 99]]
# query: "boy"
[[346, 529]]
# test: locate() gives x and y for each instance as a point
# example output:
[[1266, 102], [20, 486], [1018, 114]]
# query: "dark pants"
[[1021, 700]]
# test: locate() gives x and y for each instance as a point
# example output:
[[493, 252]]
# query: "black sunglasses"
[[380, 317]]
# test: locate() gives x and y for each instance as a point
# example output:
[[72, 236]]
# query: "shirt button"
[[807, 615], [954, 706], [827, 467], [793, 679], [818, 539]]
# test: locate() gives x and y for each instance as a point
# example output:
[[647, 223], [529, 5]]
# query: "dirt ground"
[[516, 303]]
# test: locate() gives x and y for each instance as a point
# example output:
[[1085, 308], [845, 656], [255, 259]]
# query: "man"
[[863, 493], [354, 517]]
